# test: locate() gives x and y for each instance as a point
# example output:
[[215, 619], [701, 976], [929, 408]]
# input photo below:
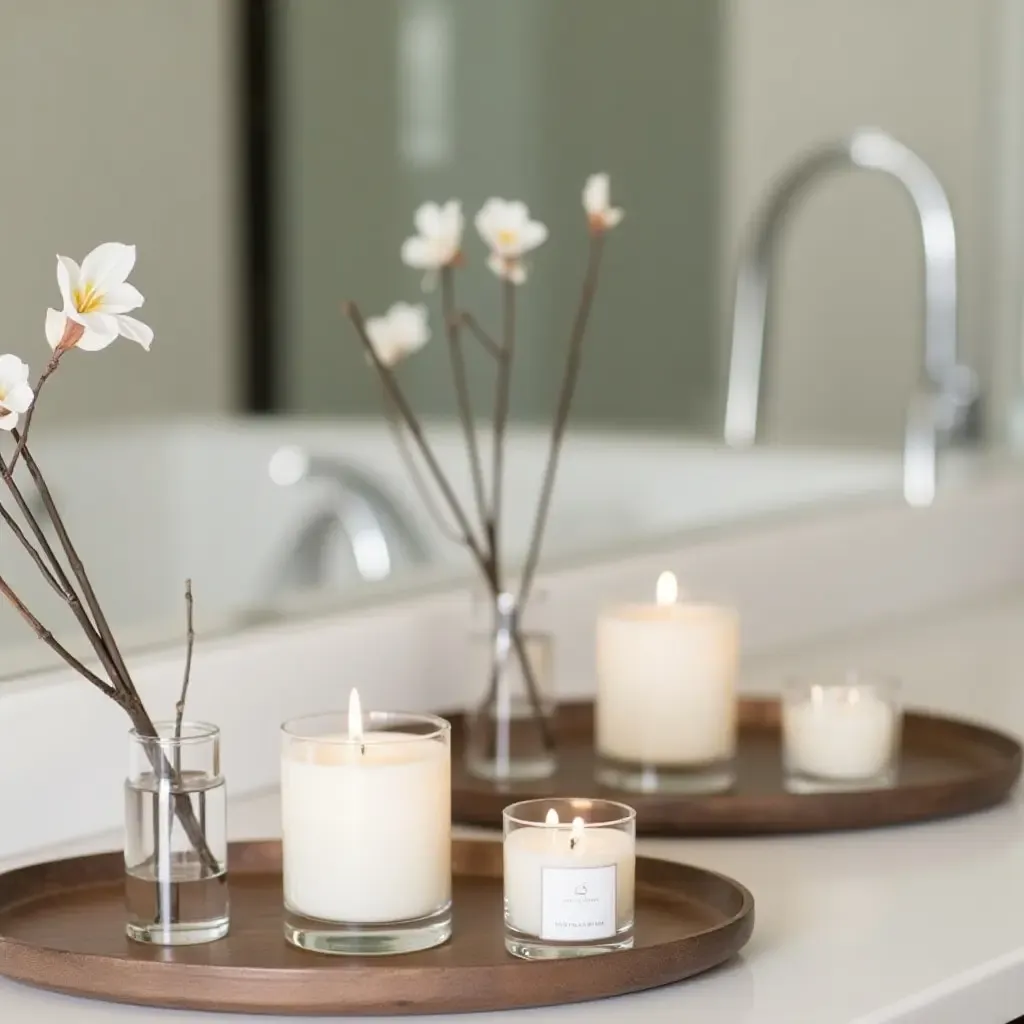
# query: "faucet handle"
[[958, 404]]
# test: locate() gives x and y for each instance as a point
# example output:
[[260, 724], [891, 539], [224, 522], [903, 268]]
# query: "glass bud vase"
[[510, 733], [175, 853]]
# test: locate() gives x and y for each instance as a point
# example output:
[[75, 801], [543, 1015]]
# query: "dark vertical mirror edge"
[[258, 316]]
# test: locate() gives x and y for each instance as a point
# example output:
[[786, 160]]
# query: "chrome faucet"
[[375, 527], [943, 407]]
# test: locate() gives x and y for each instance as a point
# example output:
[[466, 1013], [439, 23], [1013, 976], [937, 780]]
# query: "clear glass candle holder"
[[569, 877], [366, 833], [841, 734], [176, 850], [665, 714]]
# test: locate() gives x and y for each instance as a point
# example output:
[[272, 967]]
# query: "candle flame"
[[666, 590], [355, 716], [551, 818], [578, 826]]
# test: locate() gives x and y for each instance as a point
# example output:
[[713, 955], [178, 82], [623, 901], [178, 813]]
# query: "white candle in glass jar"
[[839, 733], [366, 824], [567, 882], [666, 681]]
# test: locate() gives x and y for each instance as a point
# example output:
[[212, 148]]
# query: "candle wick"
[[572, 843], [362, 748]]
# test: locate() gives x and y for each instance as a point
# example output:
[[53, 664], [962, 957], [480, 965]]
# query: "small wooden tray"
[[947, 768], [62, 928]]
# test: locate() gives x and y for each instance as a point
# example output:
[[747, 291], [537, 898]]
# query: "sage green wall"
[[387, 103]]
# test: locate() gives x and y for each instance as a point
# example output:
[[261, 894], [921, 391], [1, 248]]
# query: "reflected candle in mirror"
[[843, 734], [366, 826], [666, 694]]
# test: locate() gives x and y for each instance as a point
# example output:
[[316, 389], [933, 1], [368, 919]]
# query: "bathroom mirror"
[[278, 175]]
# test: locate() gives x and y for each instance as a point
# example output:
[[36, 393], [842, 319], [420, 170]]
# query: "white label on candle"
[[578, 903]]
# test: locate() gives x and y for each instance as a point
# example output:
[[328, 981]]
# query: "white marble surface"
[[920, 925]]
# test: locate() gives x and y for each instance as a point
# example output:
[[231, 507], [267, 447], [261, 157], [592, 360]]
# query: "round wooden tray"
[[947, 768], [62, 928]]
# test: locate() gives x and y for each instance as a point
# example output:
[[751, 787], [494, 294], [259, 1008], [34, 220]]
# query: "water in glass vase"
[[510, 733], [176, 894]]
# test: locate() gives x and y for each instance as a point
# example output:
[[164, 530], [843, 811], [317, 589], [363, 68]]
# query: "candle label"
[[578, 903]]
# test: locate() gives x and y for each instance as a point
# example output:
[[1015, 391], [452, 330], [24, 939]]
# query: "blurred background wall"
[[118, 124]]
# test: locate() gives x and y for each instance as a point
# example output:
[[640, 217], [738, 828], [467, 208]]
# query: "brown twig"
[[569, 379], [121, 688], [68, 591], [483, 559], [48, 638], [502, 394], [401, 404], [12, 525], [190, 640], [478, 332], [394, 421], [78, 569], [73, 332], [462, 391]]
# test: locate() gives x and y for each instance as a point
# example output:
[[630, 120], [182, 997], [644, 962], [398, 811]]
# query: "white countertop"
[[916, 924]]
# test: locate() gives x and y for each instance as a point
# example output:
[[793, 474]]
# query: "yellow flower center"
[[87, 298], [508, 237]]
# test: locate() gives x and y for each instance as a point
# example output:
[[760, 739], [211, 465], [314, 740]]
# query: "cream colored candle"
[[568, 883], [840, 733], [666, 681], [366, 824]]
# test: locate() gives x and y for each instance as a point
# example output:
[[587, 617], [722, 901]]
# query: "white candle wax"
[[666, 678], [839, 734], [366, 827], [563, 885]]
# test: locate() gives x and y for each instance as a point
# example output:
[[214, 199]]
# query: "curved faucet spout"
[[946, 387]]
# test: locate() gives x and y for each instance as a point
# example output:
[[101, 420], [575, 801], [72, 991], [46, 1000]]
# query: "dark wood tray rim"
[[995, 756], [372, 986]]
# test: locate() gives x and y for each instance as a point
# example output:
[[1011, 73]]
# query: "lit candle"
[[569, 882], [666, 676], [366, 819], [839, 732]]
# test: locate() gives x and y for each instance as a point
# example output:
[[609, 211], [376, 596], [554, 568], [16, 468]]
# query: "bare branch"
[[569, 378], [73, 332], [117, 664], [462, 392], [190, 641], [67, 590], [403, 408], [48, 638], [34, 554], [394, 421], [502, 394], [488, 343]]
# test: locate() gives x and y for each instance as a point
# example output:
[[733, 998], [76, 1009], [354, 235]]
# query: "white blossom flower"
[[597, 202], [509, 233], [438, 240], [400, 332], [15, 392], [97, 295]]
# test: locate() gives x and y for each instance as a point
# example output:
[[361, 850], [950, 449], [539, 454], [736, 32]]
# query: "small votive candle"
[[569, 871], [366, 831], [841, 734]]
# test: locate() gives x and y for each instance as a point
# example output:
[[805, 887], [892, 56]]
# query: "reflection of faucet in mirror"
[[376, 529], [943, 405]]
